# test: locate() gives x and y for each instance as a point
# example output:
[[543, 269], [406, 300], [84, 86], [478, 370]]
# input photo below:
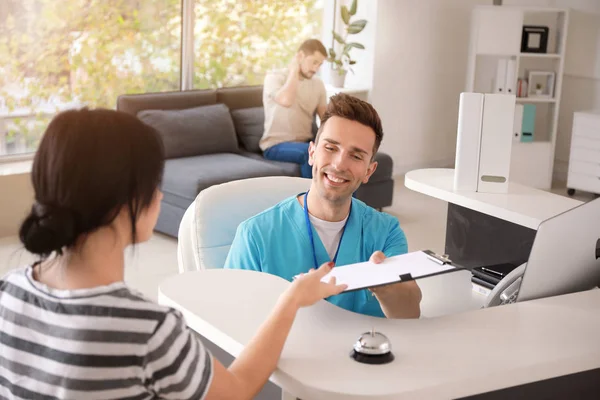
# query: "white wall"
[[581, 82], [419, 71]]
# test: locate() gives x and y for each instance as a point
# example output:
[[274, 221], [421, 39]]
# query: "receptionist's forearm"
[[402, 301]]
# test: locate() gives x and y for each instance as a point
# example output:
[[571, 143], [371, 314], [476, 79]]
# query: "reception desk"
[[488, 228], [523, 349]]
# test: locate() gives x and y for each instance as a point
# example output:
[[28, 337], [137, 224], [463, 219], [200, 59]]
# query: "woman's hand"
[[307, 289]]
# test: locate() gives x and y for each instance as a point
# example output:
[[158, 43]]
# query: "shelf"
[[551, 56], [539, 143], [535, 100], [540, 55]]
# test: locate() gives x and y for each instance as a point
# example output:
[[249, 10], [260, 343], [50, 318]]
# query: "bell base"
[[372, 358]]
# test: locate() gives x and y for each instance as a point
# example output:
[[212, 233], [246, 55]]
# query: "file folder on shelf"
[[499, 86], [510, 84], [518, 126], [528, 123]]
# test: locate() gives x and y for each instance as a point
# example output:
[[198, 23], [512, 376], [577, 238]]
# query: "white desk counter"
[[522, 205], [488, 228], [447, 357]]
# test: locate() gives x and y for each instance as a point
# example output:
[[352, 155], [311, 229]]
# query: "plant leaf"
[[357, 45], [345, 15], [357, 26], [331, 53], [352, 62], [353, 7], [338, 38]]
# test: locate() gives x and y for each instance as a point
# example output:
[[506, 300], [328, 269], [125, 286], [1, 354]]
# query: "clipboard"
[[402, 268]]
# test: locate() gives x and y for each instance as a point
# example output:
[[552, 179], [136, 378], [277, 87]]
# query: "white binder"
[[518, 124], [510, 83], [496, 143], [499, 85], [466, 168]]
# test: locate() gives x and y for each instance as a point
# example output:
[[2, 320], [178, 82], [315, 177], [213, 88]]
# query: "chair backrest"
[[209, 224]]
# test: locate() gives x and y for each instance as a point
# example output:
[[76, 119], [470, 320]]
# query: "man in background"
[[291, 97]]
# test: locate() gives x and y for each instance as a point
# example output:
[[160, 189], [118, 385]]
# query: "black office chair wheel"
[[570, 192]]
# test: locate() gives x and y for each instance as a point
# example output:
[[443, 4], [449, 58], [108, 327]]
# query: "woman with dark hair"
[[69, 326]]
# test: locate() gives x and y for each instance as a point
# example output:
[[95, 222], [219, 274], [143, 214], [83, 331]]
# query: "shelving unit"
[[496, 33]]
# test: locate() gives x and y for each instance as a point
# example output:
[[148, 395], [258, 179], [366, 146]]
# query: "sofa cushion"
[[184, 178], [249, 126], [287, 168], [194, 131]]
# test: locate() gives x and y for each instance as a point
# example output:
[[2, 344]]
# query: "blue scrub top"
[[276, 241]]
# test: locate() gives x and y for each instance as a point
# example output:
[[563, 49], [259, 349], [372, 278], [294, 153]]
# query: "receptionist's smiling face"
[[342, 158]]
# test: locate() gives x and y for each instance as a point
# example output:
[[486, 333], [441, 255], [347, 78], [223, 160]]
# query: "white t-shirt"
[[330, 233]]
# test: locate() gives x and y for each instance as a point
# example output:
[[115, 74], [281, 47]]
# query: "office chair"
[[210, 222]]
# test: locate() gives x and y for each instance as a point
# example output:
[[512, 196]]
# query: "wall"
[[581, 82], [419, 71], [16, 197]]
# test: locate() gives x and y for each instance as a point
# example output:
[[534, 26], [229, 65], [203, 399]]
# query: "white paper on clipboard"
[[408, 266]]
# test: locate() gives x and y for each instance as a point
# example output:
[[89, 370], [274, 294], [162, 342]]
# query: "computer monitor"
[[565, 257]]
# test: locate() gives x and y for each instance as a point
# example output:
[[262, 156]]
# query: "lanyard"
[[310, 234]]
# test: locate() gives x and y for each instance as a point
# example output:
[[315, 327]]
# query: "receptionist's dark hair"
[[89, 165]]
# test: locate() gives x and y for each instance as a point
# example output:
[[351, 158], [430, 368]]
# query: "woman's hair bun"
[[48, 229]]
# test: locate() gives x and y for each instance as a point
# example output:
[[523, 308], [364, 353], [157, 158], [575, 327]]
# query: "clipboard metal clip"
[[440, 259]]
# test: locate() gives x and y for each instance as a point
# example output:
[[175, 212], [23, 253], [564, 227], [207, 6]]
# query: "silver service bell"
[[372, 348]]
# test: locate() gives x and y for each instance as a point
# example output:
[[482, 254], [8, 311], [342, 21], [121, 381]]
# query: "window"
[[237, 41], [60, 54]]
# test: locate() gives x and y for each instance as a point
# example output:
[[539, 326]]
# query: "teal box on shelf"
[[528, 123]]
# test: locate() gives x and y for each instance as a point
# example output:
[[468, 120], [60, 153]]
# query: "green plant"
[[538, 86], [341, 62]]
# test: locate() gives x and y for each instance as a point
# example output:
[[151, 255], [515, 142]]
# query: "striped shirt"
[[106, 342]]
